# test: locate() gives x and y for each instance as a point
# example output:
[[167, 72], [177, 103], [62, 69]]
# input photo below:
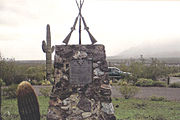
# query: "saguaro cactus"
[[46, 47], [27, 102]]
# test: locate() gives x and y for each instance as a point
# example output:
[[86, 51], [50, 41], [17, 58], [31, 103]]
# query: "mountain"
[[166, 49]]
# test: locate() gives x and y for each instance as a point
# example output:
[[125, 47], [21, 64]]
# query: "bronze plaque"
[[80, 72]]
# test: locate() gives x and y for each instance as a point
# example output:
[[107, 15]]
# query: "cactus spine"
[[27, 102], [46, 47]]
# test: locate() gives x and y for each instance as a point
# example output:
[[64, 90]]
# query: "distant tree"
[[154, 70], [142, 59], [35, 73], [7, 70], [12, 72]]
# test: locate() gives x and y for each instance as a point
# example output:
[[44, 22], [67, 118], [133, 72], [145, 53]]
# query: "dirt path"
[[144, 93], [174, 79], [38, 87], [147, 92]]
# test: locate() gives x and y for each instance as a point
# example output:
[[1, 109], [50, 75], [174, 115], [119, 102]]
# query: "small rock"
[[86, 114], [84, 104], [105, 86], [96, 77], [83, 54], [97, 82], [98, 72], [65, 107], [106, 81], [95, 65], [53, 114], [105, 92], [55, 102], [74, 98], [80, 55], [58, 59], [66, 102], [107, 108], [65, 77]]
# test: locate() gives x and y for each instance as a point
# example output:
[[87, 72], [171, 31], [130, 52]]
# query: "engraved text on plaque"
[[80, 72]]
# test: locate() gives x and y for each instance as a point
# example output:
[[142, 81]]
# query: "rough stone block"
[[81, 91]]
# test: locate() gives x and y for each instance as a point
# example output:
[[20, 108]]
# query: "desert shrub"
[[115, 81], [131, 78], [174, 85], [175, 74], [2, 83], [142, 105], [20, 78], [45, 91], [156, 98], [10, 91], [127, 90], [159, 117], [34, 82], [35, 73], [159, 84], [154, 70], [7, 70], [144, 82], [45, 82]]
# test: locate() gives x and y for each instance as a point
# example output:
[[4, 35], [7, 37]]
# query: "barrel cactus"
[[27, 102], [46, 47]]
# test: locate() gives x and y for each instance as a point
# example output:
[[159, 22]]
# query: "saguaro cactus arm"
[[27, 102], [44, 46]]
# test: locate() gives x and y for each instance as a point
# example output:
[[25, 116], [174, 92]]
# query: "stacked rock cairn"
[[70, 101]]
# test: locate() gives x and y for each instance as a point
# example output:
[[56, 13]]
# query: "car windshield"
[[114, 70]]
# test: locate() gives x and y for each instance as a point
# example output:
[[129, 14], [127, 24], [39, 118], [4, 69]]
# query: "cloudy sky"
[[118, 24]]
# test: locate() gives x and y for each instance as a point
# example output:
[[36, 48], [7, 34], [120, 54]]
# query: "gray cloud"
[[13, 12]]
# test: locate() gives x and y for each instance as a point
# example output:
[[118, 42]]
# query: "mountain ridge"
[[161, 50]]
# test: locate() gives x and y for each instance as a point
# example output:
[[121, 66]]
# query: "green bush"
[[174, 85], [175, 74], [149, 83], [35, 82], [2, 83], [9, 92], [20, 78], [131, 79], [128, 90], [144, 82], [159, 84], [156, 98], [45, 82], [45, 91]]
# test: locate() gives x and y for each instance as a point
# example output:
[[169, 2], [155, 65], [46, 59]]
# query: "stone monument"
[[81, 90]]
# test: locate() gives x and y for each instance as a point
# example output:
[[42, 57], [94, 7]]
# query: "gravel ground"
[[144, 93]]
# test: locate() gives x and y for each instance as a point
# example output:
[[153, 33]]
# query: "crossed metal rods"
[[66, 40]]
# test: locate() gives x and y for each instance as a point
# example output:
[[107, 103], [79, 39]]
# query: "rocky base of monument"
[[81, 90]]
